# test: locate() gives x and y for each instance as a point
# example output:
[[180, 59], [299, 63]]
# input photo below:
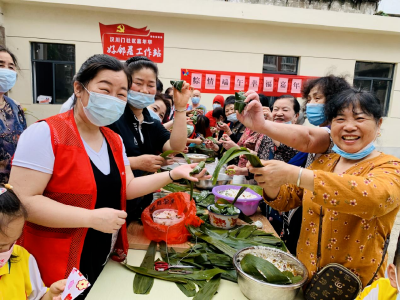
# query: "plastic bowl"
[[247, 206], [167, 221], [196, 158], [222, 221]]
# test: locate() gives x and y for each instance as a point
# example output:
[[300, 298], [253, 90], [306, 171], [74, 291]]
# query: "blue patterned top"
[[12, 124]]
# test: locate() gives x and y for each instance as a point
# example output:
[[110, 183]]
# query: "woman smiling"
[[357, 190]]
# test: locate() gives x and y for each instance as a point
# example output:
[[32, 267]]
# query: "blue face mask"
[[140, 100], [103, 110], [189, 129], [153, 114], [315, 113], [232, 118], [195, 100], [7, 79], [355, 156], [215, 105]]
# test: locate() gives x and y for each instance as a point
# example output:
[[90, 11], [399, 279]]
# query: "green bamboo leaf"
[[189, 289], [233, 153], [230, 275], [242, 189], [143, 284], [216, 242], [261, 233], [263, 270], [156, 274], [246, 231], [173, 187], [198, 168], [209, 289], [178, 84], [256, 188]]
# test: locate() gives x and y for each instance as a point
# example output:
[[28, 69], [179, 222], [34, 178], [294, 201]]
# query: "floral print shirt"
[[282, 152], [359, 210], [12, 124], [249, 140]]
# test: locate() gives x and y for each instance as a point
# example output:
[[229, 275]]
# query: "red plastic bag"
[[175, 234]]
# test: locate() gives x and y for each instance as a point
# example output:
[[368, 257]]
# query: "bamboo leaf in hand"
[[177, 84]]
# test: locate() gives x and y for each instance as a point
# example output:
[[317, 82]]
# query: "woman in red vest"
[[73, 175]]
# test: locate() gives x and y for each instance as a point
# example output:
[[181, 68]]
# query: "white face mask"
[[103, 110]]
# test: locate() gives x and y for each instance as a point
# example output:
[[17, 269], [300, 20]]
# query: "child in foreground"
[[19, 272], [385, 288]]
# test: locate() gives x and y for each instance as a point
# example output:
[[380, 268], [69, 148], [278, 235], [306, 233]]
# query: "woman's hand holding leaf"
[[253, 115], [273, 175], [183, 171], [181, 98]]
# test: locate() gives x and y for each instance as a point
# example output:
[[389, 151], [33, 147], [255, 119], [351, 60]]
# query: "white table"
[[116, 282]]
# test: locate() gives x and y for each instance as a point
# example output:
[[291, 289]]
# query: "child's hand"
[[55, 290]]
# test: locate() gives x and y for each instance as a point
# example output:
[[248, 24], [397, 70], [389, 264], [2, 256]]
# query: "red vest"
[[58, 250]]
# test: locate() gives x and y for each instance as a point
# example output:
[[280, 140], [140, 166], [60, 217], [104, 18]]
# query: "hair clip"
[[8, 186], [2, 191]]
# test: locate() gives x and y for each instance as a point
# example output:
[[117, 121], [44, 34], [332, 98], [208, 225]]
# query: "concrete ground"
[[393, 238]]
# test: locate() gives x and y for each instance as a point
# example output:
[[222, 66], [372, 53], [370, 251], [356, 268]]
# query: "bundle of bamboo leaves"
[[211, 256]]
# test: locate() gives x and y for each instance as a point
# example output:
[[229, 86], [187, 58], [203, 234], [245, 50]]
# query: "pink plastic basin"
[[247, 206]]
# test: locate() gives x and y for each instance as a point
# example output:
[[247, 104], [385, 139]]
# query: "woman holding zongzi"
[[73, 176], [357, 189], [145, 137]]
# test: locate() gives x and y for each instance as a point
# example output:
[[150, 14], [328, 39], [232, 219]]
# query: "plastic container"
[[247, 206], [167, 221]]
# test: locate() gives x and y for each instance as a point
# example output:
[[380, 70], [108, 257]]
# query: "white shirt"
[[35, 151]]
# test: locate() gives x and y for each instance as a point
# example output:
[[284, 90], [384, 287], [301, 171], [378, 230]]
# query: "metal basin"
[[208, 185], [255, 289]]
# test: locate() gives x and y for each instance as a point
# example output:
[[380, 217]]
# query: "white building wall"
[[223, 43]]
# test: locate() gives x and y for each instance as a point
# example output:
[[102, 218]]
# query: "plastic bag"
[[175, 234]]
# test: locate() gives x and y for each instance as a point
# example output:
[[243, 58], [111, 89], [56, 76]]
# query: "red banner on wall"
[[220, 82], [123, 41]]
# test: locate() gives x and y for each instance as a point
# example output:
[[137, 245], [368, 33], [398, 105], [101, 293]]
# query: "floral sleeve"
[[289, 197], [369, 196]]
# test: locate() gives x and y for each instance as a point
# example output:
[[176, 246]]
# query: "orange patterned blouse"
[[359, 210]]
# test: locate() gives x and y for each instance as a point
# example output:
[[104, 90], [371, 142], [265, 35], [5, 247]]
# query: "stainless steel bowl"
[[255, 289], [208, 185]]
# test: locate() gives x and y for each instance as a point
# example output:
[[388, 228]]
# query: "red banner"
[[219, 82], [123, 42]]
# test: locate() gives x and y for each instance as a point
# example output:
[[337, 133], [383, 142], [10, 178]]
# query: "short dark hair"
[[329, 86], [264, 100], [367, 101], [296, 104], [396, 259], [10, 208], [202, 124], [136, 63], [160, 86], [167, 104], [168, 97], [229, 100], [168, 90], [13, 57], [96, 63], [217, 112]]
